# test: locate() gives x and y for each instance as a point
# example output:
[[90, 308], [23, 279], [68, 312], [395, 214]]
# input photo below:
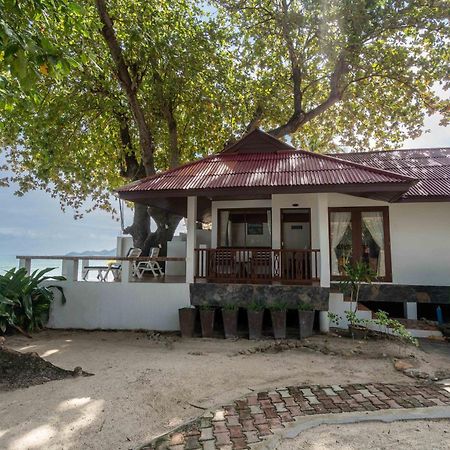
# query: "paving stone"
[[312, 400], [239, 443], [251, 437], [264, 429], [249, 425], [235, 431], [255, 409], [220, 427], [219, 415], [222, 439], [206, 434], [275, 423], [209, 445], [232, 420], [192, 443], [329, 391], [235, 427], [270, 413], [280, 407]]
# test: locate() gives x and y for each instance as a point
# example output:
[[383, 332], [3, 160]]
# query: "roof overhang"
[[175, 201]]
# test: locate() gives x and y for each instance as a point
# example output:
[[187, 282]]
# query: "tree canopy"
[[95, 94]]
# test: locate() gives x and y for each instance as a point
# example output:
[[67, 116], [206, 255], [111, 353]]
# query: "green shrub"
[[24, 301], [303, 306], [278, 306]]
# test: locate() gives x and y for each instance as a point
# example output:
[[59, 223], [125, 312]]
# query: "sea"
[[7, 262]]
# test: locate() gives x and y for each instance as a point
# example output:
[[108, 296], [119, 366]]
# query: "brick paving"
[[249, 420]]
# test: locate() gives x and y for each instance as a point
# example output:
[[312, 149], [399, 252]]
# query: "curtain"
[[338, 226], [373, 220], [225, 229]]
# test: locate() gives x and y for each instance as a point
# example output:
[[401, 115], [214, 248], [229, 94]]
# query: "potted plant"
[[278, 316], [230, 319], [255, 314], [355, 276], [187, 321], [305, 319], [207, 320]]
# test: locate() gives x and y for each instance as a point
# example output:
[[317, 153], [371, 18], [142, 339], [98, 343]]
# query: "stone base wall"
[[220, 294], [405, 293]]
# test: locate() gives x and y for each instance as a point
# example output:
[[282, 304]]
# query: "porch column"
[[191, 238], [324, 246]]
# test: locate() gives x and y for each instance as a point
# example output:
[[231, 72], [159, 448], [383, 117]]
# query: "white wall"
[[126, 306], [420, 239], [420, 243], [420, 232]]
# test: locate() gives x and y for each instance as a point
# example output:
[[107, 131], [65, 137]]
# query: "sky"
[[35, 225]]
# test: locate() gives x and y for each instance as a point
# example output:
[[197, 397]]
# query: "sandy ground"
[[144, 386], [416, 435]]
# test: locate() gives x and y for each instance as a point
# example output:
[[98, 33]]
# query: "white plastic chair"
[[116, 268], [150, 266]]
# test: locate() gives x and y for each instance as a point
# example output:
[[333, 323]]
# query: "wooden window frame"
[[356, 222]]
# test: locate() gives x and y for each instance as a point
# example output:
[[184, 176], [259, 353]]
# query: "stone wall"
[[219, 294], [405, 293]]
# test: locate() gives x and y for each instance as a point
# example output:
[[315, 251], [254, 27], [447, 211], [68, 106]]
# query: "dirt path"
[[145, 386]]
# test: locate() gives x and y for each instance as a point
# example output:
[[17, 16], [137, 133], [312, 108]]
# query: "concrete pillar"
[[324, 244], [70, 269], [25, 262], [126, 271], [124, 243], [276, 223], [411, 310], [324, 322], [191, 238]]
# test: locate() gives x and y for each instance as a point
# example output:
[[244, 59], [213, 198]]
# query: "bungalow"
[[284, 222]]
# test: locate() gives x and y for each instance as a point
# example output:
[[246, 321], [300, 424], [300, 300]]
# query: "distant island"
[[111, 252]]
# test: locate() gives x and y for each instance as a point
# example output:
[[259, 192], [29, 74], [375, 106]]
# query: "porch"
[[257, 265]]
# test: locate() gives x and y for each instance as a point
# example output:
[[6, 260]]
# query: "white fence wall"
[[120, 306]]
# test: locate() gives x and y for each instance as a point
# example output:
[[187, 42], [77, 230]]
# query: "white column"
[[191, 238], [324, 244], [411, 310], [125, 273], [70, 269], [276, 223], [25, 262]]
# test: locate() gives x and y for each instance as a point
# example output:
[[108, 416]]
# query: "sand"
[[145, 386], [415, 435]]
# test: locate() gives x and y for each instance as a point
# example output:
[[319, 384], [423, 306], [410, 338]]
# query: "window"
[[360, 234], [245, 229]]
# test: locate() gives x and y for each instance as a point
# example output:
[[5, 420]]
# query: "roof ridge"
[[361, 166], [389, 151]]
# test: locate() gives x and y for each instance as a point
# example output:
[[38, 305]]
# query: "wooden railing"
[[255, 265]]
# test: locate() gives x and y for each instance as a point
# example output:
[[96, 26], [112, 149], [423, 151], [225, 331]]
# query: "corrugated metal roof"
[[431, 166], [273, 169]]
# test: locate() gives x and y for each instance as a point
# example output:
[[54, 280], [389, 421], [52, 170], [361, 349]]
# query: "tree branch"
[[129, 87]]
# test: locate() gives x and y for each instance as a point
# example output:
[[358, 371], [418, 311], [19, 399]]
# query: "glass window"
[[373, 241], [358, 234], [245, 229], [340, 241]]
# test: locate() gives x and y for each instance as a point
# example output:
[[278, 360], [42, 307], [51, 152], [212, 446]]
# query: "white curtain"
[[373, 220], [338, 226], [225, 229]]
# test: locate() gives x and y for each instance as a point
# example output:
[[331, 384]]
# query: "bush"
[[24, 301]]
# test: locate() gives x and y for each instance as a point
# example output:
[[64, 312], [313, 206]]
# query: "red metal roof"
[[288, 168], [431, 166]]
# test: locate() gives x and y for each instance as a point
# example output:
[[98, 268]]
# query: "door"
[[296, 244]]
